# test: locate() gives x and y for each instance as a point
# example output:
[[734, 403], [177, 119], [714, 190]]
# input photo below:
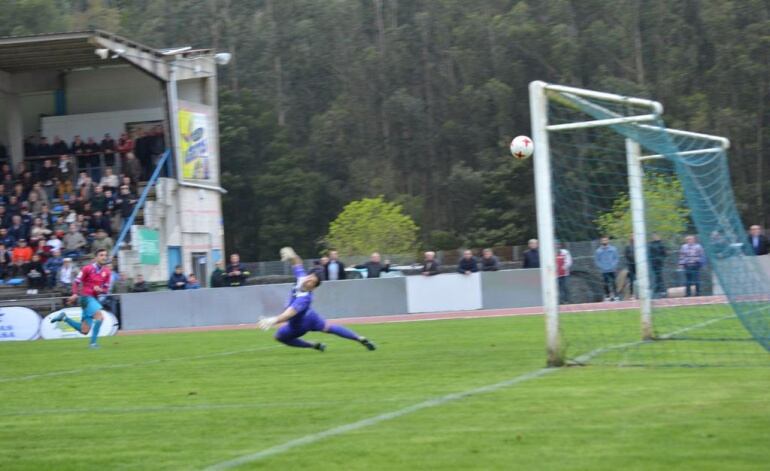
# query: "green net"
[[709, 296]]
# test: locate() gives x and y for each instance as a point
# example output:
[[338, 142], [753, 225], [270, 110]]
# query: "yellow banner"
[[194, 144]]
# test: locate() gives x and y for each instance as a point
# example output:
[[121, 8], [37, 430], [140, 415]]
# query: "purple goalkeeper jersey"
[[299, 300]]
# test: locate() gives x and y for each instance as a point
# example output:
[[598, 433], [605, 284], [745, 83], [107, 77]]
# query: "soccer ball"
[[521, 147]]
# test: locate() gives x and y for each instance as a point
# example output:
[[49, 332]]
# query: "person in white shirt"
[[67, 273]]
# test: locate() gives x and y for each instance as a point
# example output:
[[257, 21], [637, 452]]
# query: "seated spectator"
[[430, 266], [52, 267], [6, 239], [55, 242], [38, 230], [468, 264], [5, 218], [101, 242], [46, 216], [21, 256], [26, 180], [18, 230], [131, 184], [74, 242], [3, 152], [67, 274], [489, 262], [140, 286], [124, 204], [218, 275], [109, 180], [374, 267], [14, 205], [192, 282], [5, 261], [40, 248], [65, 174], [236, 273], [177, 281], [99, 222], [35, 273]]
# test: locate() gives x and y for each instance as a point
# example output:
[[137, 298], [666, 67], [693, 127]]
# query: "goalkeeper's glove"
[[267, 322], [287, 254]]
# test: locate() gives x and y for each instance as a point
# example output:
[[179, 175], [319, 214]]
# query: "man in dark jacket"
[[236, 273], [656, 252], [532, 255], [374, 267], [177, 281], [218, 275], [335, 269], [430, 266], [140, 286], [468, 264], [489, 262], [758, 241]]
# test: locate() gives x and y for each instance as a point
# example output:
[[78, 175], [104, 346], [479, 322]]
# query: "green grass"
[[187, 401]]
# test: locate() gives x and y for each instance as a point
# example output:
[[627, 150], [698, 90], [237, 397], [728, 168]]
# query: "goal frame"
[[541, 130]]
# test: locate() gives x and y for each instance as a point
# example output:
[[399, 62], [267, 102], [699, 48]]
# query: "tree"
[[372, 225], [664, 206]]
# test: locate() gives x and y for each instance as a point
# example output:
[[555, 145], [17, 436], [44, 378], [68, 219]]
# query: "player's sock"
[[343, 332], [95, 330], [299, 343], [74, 324]]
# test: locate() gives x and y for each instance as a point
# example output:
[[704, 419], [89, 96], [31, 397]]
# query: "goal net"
[[644, 258]]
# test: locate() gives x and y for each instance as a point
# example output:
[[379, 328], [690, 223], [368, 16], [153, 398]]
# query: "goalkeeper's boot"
[[58, 317], [368, 344], [94, 346], [321, 347]]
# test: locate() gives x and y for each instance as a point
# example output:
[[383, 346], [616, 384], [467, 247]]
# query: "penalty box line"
[[435, 402]]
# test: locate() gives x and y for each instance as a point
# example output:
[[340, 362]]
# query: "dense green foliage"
[[188, 401], [371, 225], [327, 102]]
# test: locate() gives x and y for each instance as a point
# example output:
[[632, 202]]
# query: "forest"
[[330, 101]]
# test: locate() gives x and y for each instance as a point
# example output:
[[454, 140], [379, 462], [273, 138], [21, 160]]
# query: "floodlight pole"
[[545, 227], [636, 194]]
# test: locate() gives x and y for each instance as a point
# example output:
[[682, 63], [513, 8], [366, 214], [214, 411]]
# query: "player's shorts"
[[297, 327], [90, 306]]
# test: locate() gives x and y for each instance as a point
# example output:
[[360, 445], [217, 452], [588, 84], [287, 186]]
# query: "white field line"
[[11, 379], [437, 401]]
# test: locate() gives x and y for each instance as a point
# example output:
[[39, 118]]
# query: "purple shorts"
[[297, 327]]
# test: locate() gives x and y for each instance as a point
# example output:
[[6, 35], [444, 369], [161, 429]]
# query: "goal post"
[[607, 162]]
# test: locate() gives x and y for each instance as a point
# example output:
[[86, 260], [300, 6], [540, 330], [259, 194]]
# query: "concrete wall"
[[349, 298], [96, 125], [111, 89]]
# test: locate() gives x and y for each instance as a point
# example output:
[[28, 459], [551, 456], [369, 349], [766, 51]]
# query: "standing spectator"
[[140, 286], [67, 274], [691, 258], [322, 262], [99, 223], [124, 206], [5, 261], [125, 145], [758, 240], [52, 267], [606, 260], [74, 242], [236, 273], [563, 266], [44, 147], [59, 147], [132, 168], [108, 147], [489, 261], [335, 269], [468, 264], [218, 275], [65, 175], [35, 273], [47, 176], [630, 265], [656, 252], [430, 266], [77, 146], [177, 281], [192, 282], [374, 266], [532, 254], [21, 256]]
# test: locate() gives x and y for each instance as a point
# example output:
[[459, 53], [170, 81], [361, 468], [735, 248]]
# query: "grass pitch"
[[190, 401]]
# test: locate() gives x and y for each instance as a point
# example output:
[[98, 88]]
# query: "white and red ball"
[[522, 147]]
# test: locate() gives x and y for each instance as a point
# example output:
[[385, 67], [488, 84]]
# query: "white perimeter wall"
[[446, 292]]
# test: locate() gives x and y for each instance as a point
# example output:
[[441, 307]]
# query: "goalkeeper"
[[299, 317]]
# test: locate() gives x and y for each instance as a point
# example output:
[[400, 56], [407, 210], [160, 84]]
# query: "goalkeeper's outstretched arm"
[[288, 255]]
